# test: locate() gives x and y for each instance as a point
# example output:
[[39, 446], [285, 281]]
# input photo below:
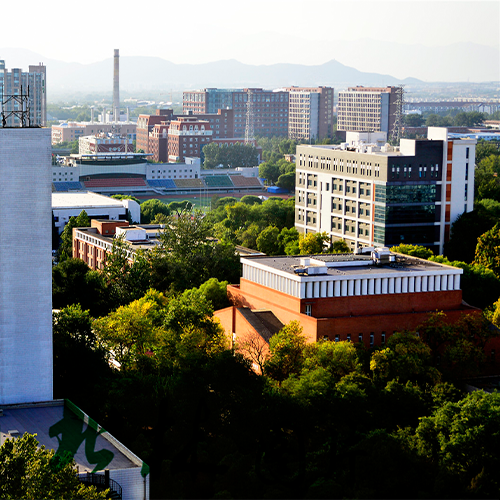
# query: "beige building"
[[367, 109], [310, 112], [70, 131], [373, 194], [34, 81]]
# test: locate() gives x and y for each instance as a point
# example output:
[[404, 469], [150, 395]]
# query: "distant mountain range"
[[156, 74]]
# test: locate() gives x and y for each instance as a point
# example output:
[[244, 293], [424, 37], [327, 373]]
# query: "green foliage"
[[229, 156], [130, 331], [413, 251], [340, 246], [406, 358], [180, 206], [484, 149], [313, 243], [267, 241], [73, 282], [413, 120], [462, 439], [286, 352], [488, 250], [151, 208], [125, 197], [286, 181], [32, 472], [215, 291], [66, 247], [251, 199], [468, 227]]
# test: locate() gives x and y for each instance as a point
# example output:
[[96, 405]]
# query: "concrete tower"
[[116, 87], [25, 265]]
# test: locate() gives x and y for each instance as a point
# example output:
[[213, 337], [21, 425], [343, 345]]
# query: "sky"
[[251, 31]]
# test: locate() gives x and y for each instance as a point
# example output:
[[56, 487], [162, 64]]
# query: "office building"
[[367, 109], [71, 131], [105, 143], [269, 108], [310, 113], [373, 194], [32, 82], [186, 136], [340, 297]]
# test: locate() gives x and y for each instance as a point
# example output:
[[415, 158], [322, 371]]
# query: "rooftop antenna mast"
[[398, 114], [249, 131], [16, 105]]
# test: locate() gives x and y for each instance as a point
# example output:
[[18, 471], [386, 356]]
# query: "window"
[[348, 337], [372, 339], [382, 338], [309, 309], [360, 337], [467, 153], [337, 338]]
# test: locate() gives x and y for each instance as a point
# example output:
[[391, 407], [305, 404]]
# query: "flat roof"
[[77, 199], [350, 264], [60, 425]]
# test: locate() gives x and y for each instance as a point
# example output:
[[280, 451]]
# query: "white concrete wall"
[[25, 266]]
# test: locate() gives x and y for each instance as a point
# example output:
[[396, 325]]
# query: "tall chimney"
[[116, 87]]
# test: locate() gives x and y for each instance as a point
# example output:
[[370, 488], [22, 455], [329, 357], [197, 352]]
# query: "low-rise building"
[[70, 204], [342, 297], [105, 143], [71, 131]]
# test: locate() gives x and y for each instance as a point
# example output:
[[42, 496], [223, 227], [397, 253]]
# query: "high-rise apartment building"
[[367, 109], [373, 194], [32, 82], [269, 108], [310, 112], [25, 266]]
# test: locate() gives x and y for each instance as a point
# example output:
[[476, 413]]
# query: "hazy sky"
[[198, 31]]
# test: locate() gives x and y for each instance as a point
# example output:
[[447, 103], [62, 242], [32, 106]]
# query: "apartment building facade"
[[310, 113], [367, 109], [70, 131], [372, 195], [33, 82], [186, 136], [269, 108]]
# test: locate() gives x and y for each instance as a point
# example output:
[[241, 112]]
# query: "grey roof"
[[65, 427], [361, 264]]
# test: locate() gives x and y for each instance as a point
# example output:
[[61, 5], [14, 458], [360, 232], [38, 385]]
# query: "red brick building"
[[343, 297], [145, 125], [186, 136]]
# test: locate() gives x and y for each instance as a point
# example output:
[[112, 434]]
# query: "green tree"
[[488, 250], [312, 243], [130, 332], [32, 472], [463, 438], [413, 251], [151, 208], [216, 292], [267, 241], [269, 171], [66, 247], [413, 120], [251, 199], [286, 181], [73, 282], [340, 246], [406, 358], [288, 240], [286, 352]]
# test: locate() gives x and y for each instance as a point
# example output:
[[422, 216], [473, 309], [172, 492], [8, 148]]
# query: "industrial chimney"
[[116, 87]]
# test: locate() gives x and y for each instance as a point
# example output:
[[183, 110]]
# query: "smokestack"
[[116, 87]]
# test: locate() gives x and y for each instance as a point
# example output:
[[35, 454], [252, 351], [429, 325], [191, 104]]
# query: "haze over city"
[[417, 39]]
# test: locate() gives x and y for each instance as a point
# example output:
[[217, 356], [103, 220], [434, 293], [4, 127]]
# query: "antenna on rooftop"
[[398, 114], [249, 131], [16, 105]]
